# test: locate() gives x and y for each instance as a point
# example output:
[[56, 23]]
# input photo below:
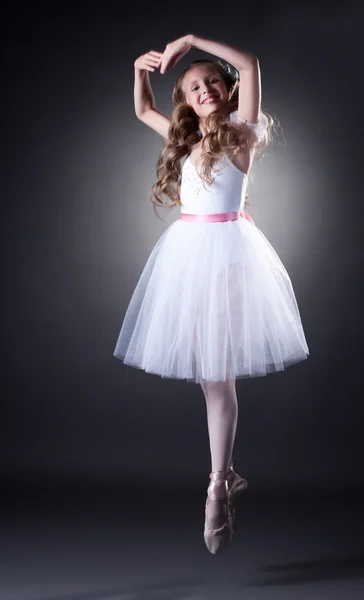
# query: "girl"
[[214, 302]]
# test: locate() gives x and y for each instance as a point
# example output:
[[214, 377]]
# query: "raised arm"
[[246, 63], [249, 75], [144, 101]]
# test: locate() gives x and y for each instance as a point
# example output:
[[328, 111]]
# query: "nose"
[[207, 92]]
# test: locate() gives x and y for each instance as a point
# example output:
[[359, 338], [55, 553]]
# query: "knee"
[[218, 389]]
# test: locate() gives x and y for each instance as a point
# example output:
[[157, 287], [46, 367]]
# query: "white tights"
[[222, 417]]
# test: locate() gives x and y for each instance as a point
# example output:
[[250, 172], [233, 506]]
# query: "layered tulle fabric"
[[214, 302]]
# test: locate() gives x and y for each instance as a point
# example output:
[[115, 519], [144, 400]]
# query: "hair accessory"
[[231, 70]]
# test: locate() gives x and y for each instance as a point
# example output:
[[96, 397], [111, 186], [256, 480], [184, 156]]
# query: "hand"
[[174, 52], [149, 61]]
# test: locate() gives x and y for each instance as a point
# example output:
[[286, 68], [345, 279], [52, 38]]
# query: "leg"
[[222, 415]]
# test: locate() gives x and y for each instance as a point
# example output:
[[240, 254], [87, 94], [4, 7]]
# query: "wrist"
[[140, 72]]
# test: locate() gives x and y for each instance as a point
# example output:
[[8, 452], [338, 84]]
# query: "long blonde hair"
[[222, 136]]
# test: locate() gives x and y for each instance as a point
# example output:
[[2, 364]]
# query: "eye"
[[211, 81]]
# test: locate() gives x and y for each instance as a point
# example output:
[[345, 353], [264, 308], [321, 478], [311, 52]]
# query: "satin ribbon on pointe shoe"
[[217, 540]]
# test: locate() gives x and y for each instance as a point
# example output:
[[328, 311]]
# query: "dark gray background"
[[78, 227]]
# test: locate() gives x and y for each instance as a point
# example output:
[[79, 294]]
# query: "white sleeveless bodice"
[[228, 189], [225, 194]]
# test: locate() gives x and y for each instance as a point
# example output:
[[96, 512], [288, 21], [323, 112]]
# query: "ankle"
[[218, 486], [219, 475], [226, 472]]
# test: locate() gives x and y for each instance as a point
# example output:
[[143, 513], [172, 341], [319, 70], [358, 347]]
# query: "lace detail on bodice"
[[192, 177]]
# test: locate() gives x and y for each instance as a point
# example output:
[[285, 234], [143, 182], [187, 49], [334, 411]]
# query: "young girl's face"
[[199, 84]]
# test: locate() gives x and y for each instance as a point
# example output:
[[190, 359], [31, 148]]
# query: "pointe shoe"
[[217, 540], [236, 486]]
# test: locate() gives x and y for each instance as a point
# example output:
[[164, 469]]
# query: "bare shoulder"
[[156, 120]]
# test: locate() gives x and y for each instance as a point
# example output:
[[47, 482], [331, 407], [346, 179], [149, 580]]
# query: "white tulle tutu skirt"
[[214, 302]]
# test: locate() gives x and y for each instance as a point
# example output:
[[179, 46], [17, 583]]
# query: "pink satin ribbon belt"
[[216, 217]]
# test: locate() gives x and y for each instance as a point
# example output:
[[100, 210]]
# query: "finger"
[[164, 66], [149, 64], [164, 62], [155, 53], [154, 61]]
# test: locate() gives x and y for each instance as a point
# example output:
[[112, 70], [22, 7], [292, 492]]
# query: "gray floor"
[[102, 543]]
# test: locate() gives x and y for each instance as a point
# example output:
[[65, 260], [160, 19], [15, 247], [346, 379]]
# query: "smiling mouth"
[[210, 100]]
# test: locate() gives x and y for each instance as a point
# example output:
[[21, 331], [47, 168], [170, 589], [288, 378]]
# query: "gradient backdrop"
[[78, 227]]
